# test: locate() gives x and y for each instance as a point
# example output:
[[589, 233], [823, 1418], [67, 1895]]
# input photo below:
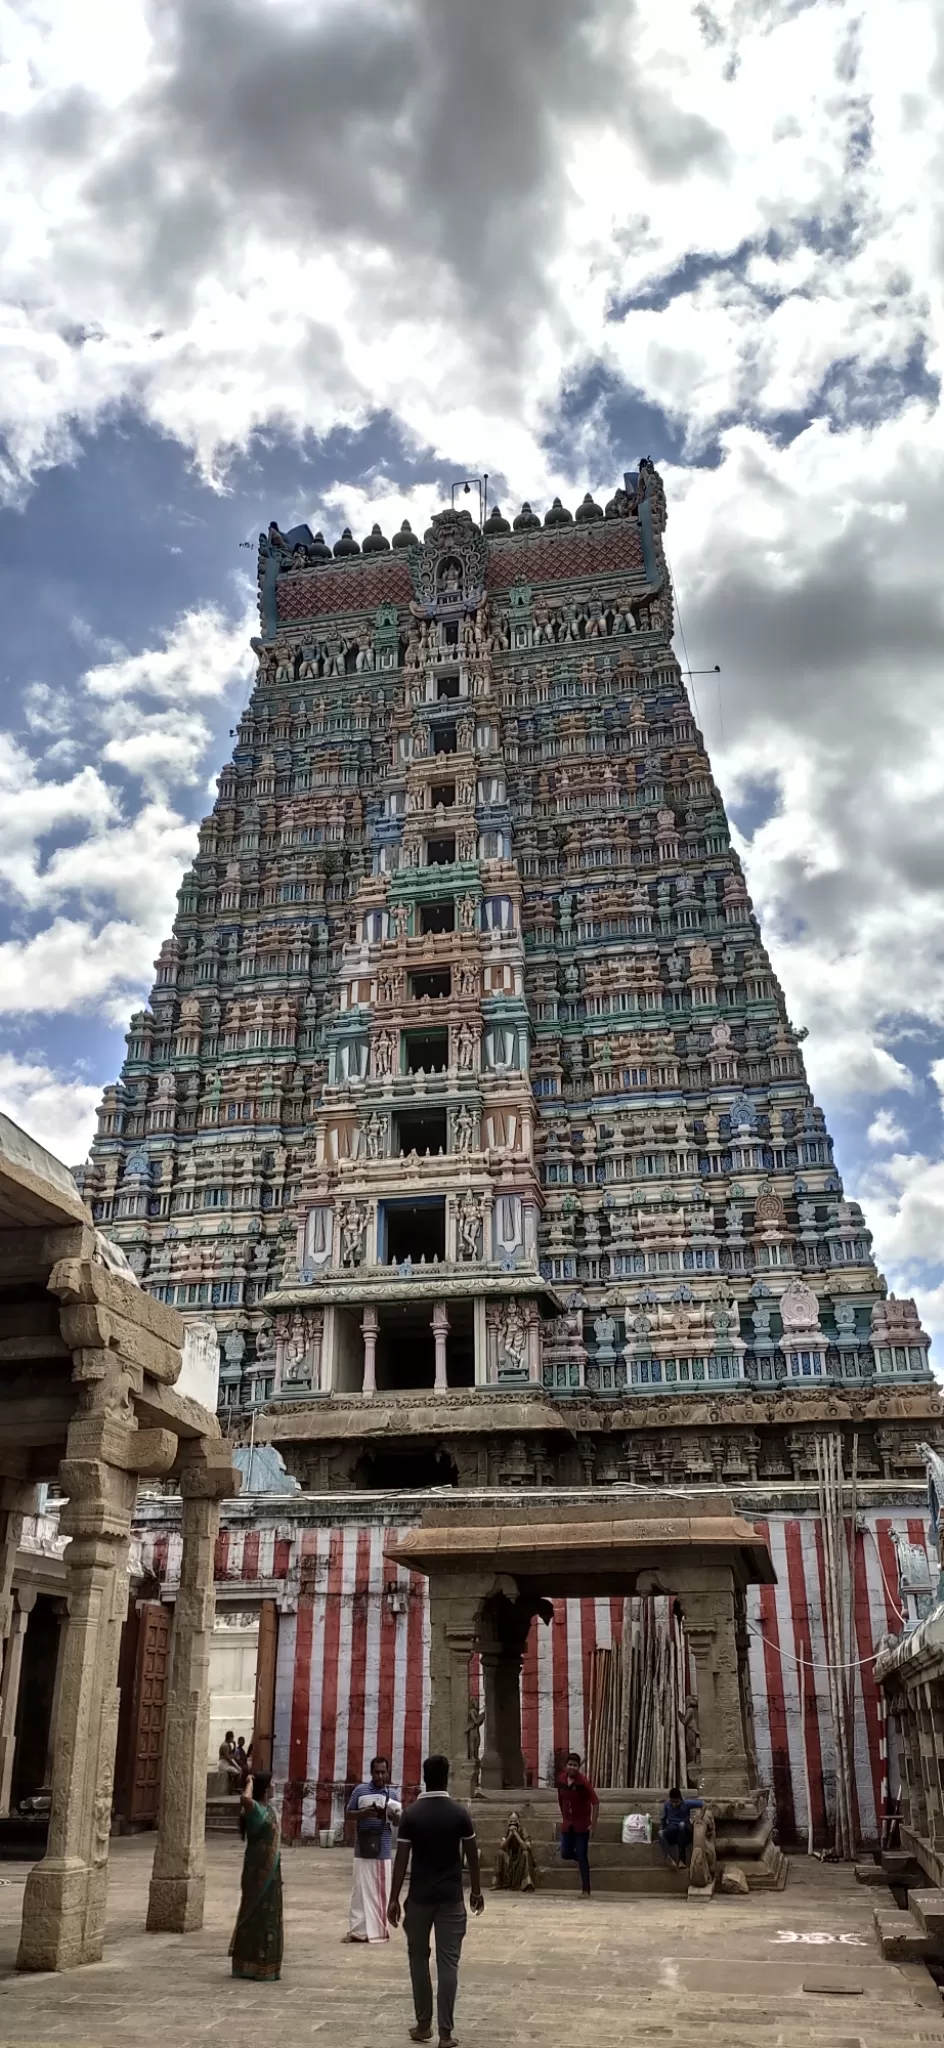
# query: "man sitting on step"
[[675, 1833]]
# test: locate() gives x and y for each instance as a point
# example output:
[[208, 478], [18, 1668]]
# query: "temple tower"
[[466, 1098]]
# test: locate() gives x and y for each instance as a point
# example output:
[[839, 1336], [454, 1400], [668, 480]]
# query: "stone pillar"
[[491, 1761], [481, 1341], [440, 1330], [726, 1766], [502, 1759], [16, 1500], [504, 1633], [455, 1602], [25, 1598], [178, 1878], [64, 1905], [370, 1324], [61, 1608]]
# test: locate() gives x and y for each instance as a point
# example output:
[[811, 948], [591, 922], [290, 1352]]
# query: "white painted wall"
[[233, 1655]]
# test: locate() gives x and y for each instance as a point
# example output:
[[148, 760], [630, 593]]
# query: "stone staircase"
[[915, 1934], [222, 1807], [618, 1867]]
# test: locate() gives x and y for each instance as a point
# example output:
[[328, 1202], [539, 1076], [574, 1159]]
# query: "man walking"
[[579, 1807], [434, 1833]]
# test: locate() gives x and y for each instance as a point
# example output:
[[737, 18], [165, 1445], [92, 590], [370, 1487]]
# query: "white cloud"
[[57, 1110], [72, 966], [249, 217], [86, 840], [885, 1129], [201, 656]]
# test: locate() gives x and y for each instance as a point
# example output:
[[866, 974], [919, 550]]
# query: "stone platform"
[[799, 1969]]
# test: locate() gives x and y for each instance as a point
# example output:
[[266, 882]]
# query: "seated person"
[[675, 1832], [228, 1758], [514, 1864]]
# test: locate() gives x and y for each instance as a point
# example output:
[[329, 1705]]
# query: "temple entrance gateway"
[[492, 1570]]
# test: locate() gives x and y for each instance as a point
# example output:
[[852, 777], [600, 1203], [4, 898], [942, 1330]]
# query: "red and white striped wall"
[[352, 1674]]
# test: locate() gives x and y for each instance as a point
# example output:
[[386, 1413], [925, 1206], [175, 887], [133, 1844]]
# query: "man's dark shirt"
[[677, 1817], [436, 1827], [577, 1803]]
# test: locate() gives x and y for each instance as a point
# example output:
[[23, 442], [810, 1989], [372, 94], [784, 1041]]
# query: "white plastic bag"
[[637, 1827]]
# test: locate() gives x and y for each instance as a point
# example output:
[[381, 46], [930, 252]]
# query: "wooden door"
[[152, 1679]]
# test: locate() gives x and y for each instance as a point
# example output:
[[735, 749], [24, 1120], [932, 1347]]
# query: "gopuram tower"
[[466, 1071], [467, 1109]]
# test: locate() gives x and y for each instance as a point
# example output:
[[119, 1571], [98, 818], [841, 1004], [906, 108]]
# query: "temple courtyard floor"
[[791, 1970]]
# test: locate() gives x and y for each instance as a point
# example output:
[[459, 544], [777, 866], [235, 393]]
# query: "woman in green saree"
[[256, 1946]]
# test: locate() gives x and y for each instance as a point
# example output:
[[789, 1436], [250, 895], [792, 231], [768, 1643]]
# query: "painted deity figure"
[[352, 1233], [512, 1338], [463, 1129], [383, 1053], [469, 1221], [465, 1049], [543, 627], [623, 617]]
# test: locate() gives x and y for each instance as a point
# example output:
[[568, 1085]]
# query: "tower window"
[[440, 853], [438, 917]]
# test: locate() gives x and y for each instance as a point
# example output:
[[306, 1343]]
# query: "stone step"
[[900, 1938], [540, 1830], [606, 1855], [222, 1816], [647, 1882], [927, 1909]]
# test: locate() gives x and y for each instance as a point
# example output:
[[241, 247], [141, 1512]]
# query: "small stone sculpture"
[[704, 1858]]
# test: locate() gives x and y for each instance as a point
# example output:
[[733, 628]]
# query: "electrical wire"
[[810, 1663]]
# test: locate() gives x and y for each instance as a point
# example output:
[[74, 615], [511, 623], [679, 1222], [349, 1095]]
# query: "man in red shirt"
[[579, 1807]]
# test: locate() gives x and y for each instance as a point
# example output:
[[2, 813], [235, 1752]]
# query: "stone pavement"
[[542, 1969]]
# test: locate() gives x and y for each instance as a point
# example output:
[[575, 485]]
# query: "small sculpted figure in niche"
[[463, 1130], [465, 1049], [469, 1220], [689, 1721]]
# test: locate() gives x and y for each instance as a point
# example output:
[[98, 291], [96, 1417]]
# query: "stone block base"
[[927, 1907], [900, 1938], [175, 1905], [63, 1916]]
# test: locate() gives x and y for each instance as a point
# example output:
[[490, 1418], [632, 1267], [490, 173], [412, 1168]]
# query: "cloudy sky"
[[316, 261]]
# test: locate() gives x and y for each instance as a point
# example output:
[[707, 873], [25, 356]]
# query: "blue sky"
[[262, 261]]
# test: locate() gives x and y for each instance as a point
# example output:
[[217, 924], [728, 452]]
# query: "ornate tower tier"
[[466, 1102]]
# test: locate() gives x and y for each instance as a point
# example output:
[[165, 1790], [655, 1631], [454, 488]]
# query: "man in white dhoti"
[[375, 1809]]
